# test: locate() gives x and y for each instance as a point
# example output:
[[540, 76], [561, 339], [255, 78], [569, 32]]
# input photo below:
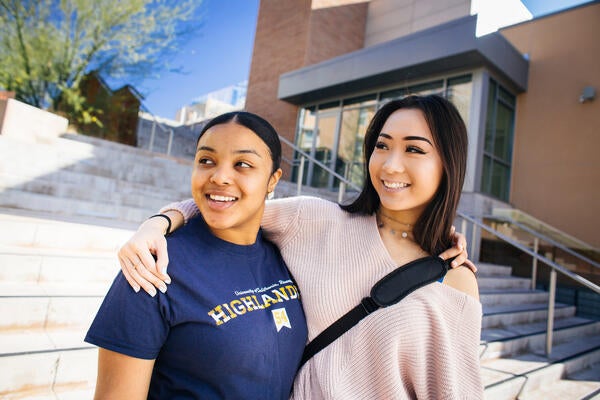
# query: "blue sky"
[[219, 55]]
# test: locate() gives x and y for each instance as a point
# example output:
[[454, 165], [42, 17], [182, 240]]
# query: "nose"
[[394, 162], [221, 176]]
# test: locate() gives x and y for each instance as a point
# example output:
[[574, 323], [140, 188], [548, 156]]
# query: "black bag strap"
[[388, 291]]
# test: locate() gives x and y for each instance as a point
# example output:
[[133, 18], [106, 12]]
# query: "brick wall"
[[291, 34]]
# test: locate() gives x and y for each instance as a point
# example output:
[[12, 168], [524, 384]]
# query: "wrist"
[[160, 221]]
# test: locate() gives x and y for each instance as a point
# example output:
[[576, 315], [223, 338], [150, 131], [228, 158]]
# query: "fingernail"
[[162, 288], [453, 264], [136, 289], [168, 280], [152, 292], [459, 246]]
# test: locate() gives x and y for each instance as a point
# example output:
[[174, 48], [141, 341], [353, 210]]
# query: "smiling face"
[[405, 167], [231, 177]]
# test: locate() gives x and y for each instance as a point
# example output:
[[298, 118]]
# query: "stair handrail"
[[553, 271], [545, 238], [555, 266], [156, 122], [344, 181]]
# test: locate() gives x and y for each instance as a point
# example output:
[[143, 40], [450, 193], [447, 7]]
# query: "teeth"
[[221, 198], [395, 185]]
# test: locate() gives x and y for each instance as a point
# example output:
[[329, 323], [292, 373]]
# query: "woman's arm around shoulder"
[[122, 377], [463, 278]]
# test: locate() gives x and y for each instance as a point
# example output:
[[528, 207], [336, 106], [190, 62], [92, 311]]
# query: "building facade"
[[209, 105], [321, 68]]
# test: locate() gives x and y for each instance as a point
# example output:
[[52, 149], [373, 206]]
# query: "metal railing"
[[155, 123], [554, 266], [538, 238], [304, 156]]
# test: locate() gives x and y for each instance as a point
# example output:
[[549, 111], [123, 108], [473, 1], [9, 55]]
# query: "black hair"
[[257, 124], [432, 229]]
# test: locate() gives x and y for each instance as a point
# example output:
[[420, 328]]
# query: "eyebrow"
[[241, 151], [424, 139]]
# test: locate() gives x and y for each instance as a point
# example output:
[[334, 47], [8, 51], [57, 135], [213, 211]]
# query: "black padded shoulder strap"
[[388, 291]]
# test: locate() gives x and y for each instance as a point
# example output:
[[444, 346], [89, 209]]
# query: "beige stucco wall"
[[390, 19], [556, 160]]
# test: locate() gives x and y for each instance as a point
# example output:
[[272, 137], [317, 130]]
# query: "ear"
[[274, 179]]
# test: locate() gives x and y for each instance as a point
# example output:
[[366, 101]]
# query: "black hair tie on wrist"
[[165, 217]]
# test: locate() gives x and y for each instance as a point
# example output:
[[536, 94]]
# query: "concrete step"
[[46, 184], [40, 375], [492, 299], [511, 378], [532, 338], [65, 267], [50, 158], [50, 311], [70, 391], [512, 314], [147, 199], [503, 282], [583, 385], [30, 234], [488, 269], [36, 340], [62, 206]]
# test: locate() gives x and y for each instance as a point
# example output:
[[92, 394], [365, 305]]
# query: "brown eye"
[[205, 161], [243, 164], [414, 149]]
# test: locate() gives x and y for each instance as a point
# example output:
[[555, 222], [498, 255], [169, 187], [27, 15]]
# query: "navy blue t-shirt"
[[230, 326]]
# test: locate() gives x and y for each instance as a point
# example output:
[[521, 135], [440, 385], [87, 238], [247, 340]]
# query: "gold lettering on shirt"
[[225, 312]]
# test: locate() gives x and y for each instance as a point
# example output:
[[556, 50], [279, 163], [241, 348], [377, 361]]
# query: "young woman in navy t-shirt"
[[231, 325]]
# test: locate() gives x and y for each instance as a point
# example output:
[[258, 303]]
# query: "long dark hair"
[[432, 229], [257, 124]]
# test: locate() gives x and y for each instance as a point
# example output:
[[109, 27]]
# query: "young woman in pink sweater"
[[425, 346]]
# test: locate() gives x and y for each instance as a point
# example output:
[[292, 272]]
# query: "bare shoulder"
[[462, 278]]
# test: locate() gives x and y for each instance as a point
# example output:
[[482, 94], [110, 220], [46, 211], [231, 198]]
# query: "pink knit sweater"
[[424, 347]]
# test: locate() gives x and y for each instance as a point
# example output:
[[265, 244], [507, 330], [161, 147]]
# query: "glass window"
[[324, 148], [394, 94], [306, 129], [435, 87], [503, 133], [459, 92], [490, 122], [333, 132], [361, 100], [500, 180], [498, 145], [352, 132]]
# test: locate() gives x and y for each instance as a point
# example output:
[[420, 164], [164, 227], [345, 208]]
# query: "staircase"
[[513, 360], [53, 276], [66, 207]]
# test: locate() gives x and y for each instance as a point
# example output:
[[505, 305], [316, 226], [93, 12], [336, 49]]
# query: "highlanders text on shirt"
[[241, 305]]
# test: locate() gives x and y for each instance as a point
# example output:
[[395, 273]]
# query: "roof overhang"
[[441, 49]]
